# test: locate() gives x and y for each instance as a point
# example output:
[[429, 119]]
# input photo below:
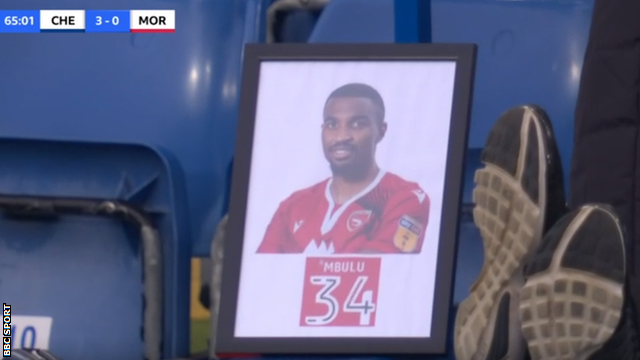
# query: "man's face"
[[350, 132]]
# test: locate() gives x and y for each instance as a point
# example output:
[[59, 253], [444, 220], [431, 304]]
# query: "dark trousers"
[[606, 161]]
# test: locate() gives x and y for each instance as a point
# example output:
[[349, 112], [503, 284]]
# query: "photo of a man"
[[360, 208]]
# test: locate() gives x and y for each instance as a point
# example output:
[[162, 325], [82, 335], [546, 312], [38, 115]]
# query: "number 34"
[[365, 307]]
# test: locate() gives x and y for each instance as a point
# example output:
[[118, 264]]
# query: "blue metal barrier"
[[178, 91], [85, 272]]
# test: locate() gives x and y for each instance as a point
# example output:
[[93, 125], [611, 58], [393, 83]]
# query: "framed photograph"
[[345, 202]]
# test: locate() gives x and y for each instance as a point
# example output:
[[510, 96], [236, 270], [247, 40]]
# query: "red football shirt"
[[389, 216]]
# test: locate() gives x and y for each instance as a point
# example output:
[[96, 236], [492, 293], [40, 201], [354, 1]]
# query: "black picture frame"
[[254, 55]]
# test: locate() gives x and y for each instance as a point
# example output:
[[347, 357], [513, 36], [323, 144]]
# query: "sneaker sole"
[[572, 301], [511, 224]]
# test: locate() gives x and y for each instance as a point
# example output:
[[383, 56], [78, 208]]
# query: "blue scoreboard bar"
[[93, 21]]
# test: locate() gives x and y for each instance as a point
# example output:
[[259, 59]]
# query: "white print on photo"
[[321, 286]]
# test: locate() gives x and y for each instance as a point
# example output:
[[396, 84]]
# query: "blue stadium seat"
[[84, 271], [529, 52], [356, 21], [177, 91]]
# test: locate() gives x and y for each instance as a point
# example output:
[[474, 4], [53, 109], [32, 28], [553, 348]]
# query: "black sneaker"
[[519, 194], [574, 297]]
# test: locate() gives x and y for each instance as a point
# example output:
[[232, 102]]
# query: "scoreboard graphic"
[[91, 21]]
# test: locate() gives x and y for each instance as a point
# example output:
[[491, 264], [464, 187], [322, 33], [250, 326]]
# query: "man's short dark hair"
[[361, 91]]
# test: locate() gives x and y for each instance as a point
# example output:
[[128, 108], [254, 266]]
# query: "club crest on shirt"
[[357, 219], [407, 234]]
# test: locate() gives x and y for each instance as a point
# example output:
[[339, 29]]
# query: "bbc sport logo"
[[6, 330]]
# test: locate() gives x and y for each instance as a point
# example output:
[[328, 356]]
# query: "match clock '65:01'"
[[12, 21], [19, 20]]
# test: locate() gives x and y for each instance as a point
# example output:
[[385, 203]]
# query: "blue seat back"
[[528, 52], [85, 272], [177, 91]]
